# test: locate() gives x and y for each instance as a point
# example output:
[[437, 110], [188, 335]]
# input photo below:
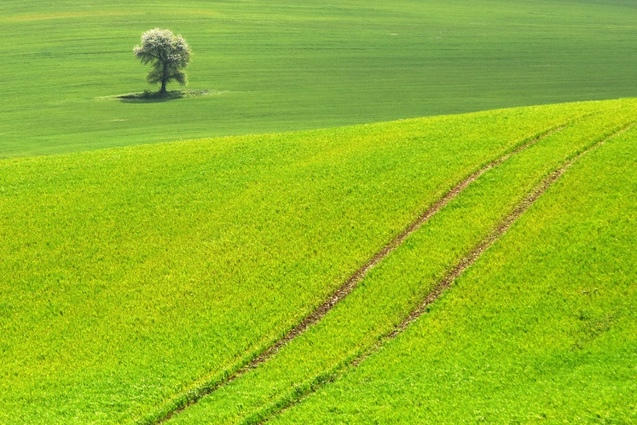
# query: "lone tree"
[[167, 53]]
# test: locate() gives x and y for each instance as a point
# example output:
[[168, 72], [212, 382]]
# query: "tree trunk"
[[164, 79]]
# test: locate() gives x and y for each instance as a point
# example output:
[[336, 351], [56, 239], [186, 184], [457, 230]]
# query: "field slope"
[[542, 329], [390, 298], [135, 281], [272, 66]]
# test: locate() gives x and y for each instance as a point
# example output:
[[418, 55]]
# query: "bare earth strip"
[[350, 284], [451, 276]]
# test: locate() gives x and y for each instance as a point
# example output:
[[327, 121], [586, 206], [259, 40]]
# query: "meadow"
[[295, 242], [287, 65], [134, 279]]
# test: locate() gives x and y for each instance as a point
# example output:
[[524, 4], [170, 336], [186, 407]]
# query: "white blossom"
[[167, 53]]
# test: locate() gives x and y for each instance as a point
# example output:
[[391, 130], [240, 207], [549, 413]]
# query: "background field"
[[288, 65]]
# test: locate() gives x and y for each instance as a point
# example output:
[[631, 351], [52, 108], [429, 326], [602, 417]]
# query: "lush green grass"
[[130, 276], [542, 329], [287, 65], [396, 286]]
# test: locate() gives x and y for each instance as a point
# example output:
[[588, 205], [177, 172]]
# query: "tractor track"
[[443, 284], [350, 284]]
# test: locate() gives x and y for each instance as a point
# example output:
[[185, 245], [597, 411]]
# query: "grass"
[[542, 328], [131, 276], [280, 66], [391, 290]]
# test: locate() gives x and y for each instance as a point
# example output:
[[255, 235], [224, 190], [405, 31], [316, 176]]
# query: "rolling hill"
[[246, 273], [286, 65], [362, 212]]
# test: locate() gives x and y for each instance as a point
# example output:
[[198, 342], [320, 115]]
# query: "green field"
[[371, 212], [542, 330], [133, 279], [288, 65], [405, 278]]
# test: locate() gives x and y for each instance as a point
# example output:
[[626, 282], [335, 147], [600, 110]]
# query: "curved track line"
[[303, 392], [350, 284]]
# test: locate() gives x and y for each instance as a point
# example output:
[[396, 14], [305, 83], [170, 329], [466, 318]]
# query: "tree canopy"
[[167, 53]]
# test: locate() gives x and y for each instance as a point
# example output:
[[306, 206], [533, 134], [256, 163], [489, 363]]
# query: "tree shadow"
[[153, 97]]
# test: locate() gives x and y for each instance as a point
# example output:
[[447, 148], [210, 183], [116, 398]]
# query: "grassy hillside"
[[394, 288], [542, 329], [133, 278], [287, 65]]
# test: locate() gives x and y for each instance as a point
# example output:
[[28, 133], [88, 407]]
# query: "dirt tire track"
[[303, 392], [350, 284]]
